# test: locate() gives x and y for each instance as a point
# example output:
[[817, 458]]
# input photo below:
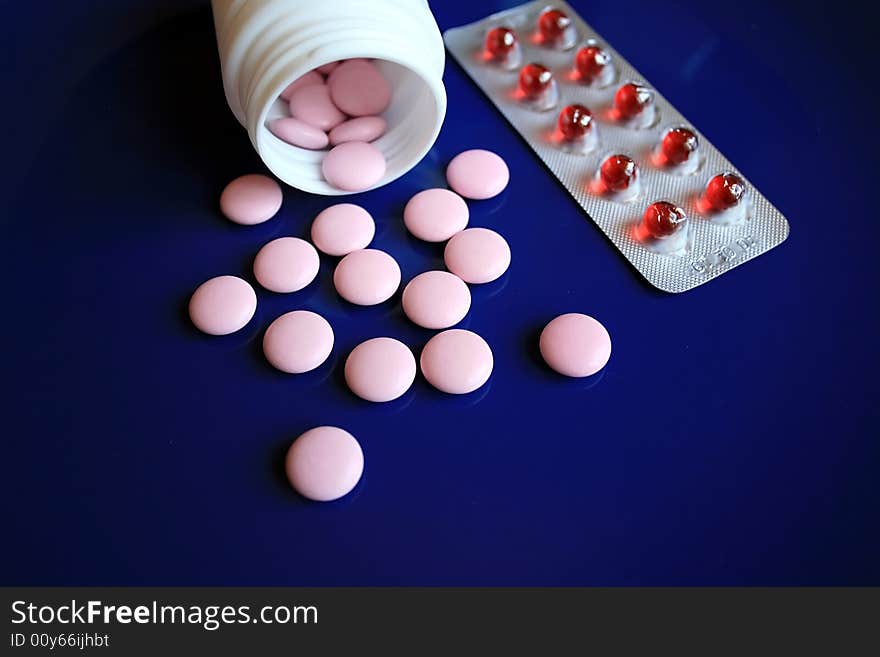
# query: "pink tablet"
[[222, 305], [251, 199], [436, 300], [358, 88], [298, 133], [324, 463], [456, 361], [435, 215], [575, 345], [343, 228], [353, 166], [362, 128], [312, 77], [298, 341], [477, 255], [367, 277], [312, 104], [477, 174], [286, 264], [327, 69], [380, 369]]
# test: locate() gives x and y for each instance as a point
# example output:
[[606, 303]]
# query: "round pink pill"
[[367, 277], [477, 174], [435, 215], [380, 369], [353, 166], [311, 77], [328, 68], [436, 300], [222, 305], [251, 199], [287, 264], [324, 464], [457, 361], [312, 104], [358, 88], [575, 345], [343, 228], [298, 341], [477, 255], [363, 128], [298, 133]]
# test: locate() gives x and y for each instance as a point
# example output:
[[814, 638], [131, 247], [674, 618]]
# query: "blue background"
[[732, 439]]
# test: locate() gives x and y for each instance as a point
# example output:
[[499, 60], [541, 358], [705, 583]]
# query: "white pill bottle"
[[266, 44]]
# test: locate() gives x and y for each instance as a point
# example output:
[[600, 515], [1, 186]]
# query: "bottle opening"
[[413, 117]]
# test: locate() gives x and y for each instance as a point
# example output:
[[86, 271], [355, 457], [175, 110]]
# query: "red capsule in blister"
[[663, 219], [724, 191], [552, 25], [678, 145], [575, 122], [500, 43], [631, 100], [592, 64], [618, 172], [535, 80]]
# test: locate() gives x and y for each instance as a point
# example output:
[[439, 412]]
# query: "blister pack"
[[676, 208]]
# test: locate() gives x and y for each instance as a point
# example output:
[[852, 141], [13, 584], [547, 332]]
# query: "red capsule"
[[500, 41], [575, 121], [552, 25], [725, 191], [618, 172], [663, 219], [678, 145], [590, 62], [631, 100], [534, 80]]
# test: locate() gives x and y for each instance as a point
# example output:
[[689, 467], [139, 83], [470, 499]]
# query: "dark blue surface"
[[733, 438]]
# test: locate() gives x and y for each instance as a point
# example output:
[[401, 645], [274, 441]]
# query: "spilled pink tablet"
[[362, 128], [477, 255], [312, 104], [286, 264], [251, 199], [456, 361], [358, 88], [477, 174], [298, 341], [575, 345], [343, 228], [298, 133], [367, 277], [435, 215], [380, 369], [436, 300], [353, 166], [324, 463], [222, 305]]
